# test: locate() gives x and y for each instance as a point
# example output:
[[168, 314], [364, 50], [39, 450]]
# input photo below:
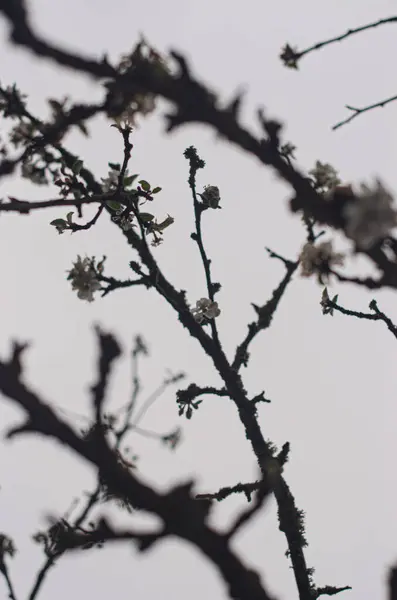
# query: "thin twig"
[[348, 33], [359, 111], [377, 315], [6, 575], [265, 313]]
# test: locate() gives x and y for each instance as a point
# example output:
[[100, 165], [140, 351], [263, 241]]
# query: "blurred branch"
[[85, 539], [25, 206], [4, 567], [180, 513], [109, 350], [52, 557], [392, 587]]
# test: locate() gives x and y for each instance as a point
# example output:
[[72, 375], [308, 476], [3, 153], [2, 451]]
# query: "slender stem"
[[6, 575], [359, 111], [348, 33]]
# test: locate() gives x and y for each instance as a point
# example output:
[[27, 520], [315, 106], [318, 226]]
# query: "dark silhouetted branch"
[[359, 111]]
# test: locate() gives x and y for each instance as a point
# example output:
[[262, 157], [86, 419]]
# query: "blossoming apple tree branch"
[[194, 103]]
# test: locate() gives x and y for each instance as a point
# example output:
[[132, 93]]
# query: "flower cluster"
[[205, 310], [122, 213], [84, 277], [370, 215], [124, 219], [142, 103], [324, 176], [210, 196], [319, 259], [110, 182]]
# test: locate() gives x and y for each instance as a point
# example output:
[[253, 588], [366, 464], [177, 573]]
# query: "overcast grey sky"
[[331, 381]]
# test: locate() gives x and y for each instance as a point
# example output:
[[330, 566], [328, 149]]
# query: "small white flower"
[[371, 216], [211, 196], [319, 259], [205, 310], [83, 279], [110, 182], [142, 104], [126, 223]]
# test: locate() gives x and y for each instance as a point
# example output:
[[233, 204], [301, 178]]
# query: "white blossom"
[[126, 223], [371, 216], [143, 104], [111, 181], [205, 309], [83, 279], [319, 259]]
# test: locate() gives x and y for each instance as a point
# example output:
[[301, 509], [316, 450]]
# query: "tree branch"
[[181, 514], [339, 38], [377, 315], [196, 163], [359, 111], [265, 313]]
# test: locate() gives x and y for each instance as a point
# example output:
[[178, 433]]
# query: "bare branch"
[[265, 313], [359, 111], [377, 315], [339, 38], [181, 514]]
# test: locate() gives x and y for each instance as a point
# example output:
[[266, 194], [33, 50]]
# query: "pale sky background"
[[331, 380]]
